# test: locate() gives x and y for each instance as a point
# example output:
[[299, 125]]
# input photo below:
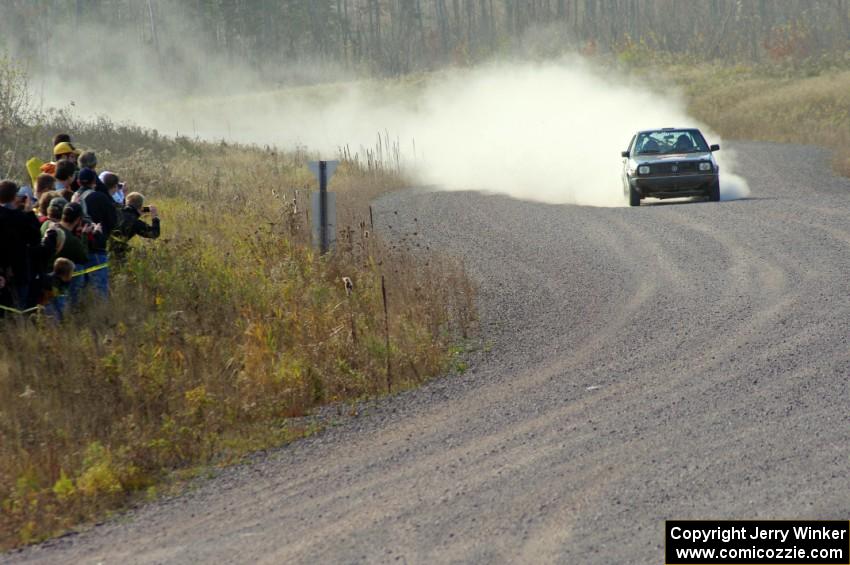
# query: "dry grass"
[[216, 335]]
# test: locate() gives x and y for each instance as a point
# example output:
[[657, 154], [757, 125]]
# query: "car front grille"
[[674, 168]]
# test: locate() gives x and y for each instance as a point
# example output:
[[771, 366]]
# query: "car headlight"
[[705, 166], [643, 170]]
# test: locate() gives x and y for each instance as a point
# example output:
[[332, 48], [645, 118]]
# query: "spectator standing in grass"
[[85, 180], [52, 220], [74, 249], [36, 166], [16, 237], [56, 286], [62, 151], [54, 210], [10, 242], [65, 151], [88, 160], [23, 251], [98, 208], [115, 187], [133, 225], [44, 208]]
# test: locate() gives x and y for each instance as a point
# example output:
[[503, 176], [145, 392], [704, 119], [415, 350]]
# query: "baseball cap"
[[63, 148], [86, 176], [58, 202]]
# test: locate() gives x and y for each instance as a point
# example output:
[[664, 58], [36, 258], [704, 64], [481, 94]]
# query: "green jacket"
[[74, 249]]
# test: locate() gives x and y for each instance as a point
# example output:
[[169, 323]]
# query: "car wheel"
[[634, 197], [714, 192]]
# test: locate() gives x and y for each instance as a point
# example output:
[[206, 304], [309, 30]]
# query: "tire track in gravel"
[[672, 361]]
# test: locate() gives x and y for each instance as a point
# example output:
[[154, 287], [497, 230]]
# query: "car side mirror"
[[624, 154], [714, 148]]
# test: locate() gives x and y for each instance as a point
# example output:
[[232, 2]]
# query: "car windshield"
[[670, 141]]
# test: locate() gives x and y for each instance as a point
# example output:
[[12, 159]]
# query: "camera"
[[146, 209]]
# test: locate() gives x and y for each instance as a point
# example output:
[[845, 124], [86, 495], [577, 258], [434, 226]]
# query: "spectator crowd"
[[59, 235]]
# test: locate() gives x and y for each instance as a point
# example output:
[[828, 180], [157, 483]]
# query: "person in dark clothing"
[[16, 235], [97, 202], [73, 248], [116, 189], [98, 208], [23, 253], [133, 225]]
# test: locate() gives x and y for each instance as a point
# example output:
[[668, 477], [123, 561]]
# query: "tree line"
[[393, 37]]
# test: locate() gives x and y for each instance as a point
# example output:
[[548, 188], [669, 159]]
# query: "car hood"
[[678, 157]]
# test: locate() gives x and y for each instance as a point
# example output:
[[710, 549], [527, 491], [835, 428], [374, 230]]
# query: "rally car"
[[670, 163]]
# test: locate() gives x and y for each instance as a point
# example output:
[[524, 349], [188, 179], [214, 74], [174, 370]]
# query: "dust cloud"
[[549, 132]]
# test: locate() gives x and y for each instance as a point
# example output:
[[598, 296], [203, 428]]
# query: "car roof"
[[667, 129]]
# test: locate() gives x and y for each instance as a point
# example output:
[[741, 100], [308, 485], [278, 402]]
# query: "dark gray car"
[[670, 163]]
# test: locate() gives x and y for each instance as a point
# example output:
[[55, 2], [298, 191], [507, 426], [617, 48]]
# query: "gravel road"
[[669, 361]]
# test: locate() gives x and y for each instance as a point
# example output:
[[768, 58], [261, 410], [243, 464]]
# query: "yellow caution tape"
[[16, 311], [91, 269], [36, 308]]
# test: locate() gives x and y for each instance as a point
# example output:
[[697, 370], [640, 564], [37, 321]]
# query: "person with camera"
[[133, 225]]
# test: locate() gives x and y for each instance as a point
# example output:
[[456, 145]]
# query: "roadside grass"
[[217, 336]]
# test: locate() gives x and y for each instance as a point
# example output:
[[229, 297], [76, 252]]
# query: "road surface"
[[669, 361]]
